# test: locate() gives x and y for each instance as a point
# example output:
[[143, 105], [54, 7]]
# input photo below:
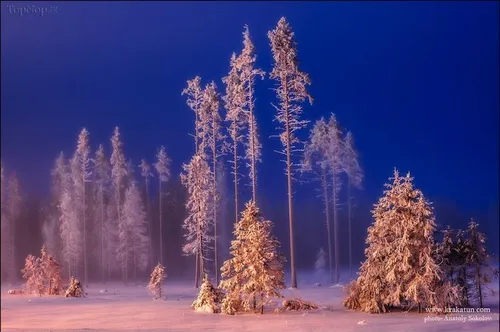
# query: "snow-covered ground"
[[132, 309]]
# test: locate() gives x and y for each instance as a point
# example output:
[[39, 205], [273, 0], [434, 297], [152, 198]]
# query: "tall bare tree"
[[291, 93], [248, 73], [354, 179], [195, 94], [118, 175], [234, 101], [162, 167], [316, 161], [335, 159], [146, 174], [212, 141], [83, 159]]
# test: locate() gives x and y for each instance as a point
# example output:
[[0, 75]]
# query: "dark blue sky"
[[417, 83]]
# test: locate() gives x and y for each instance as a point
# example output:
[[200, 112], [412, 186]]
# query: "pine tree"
[[291, 93], [70, 232], [399, 269], [118, 175], [320, 263], [197, 180], [146, 174], [254, 274], [207, 297], [75, 288], [354, 179], [162, 167], [478, 259], [156, 281]]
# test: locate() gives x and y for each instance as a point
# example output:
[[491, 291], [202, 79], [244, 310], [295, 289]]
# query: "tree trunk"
[[335, 227], [148, 211], [290, 194], [214, 191], [349, 223], [161, 226], [196, 270], [84, 235], [101, 203], [252, 143], [235, 180], [327, 214], [479, 286]]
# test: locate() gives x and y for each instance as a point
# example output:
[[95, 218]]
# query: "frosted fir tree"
[[254, 274], [33, 273], [118, 176], [291, 93], [146, 174], [207, 297], [248, 73], [316, 162], [75, 288], [51, 271], [477, 258], [156, 281], [399, 270], [83, 159], [234, 101], [354, 180], [462, 277], [70, 231], [162, 167], [335, 156], [197, 180]]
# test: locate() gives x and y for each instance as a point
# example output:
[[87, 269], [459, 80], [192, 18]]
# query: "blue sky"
[[416, 83]]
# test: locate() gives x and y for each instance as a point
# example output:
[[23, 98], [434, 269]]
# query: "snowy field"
[[132, 309]]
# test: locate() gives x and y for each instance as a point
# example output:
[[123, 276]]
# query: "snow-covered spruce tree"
[[146, 174], [156, 281], [207, 297], [75, 288], [33, 273], [399, 269], [462, 280], [134, 217], [51, 271], [248, 73], [118, 175], [254, 274], [477, 258], [12, 213], [102, 181], [195, 95], [316, 162], [212, 142], [291, 92], [162, 167], [354, 179], [234, 101], [84, 162], [197, 180], [335, 161]]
